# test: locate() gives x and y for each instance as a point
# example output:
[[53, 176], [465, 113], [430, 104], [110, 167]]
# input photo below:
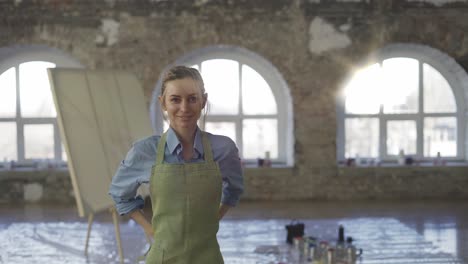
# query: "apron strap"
[[208, 153], [161, 148]]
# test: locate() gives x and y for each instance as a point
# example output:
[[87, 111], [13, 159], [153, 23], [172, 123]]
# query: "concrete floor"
[[388, 232]]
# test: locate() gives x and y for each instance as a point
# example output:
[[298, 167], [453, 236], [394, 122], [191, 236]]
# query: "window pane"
[[401, 85], [39, 141], [221, 79], [8, 143], [401, 135], [362, 92], [35, 94], [222, 128], [438, 96], [362, 137], [259, 136], [8, 93], [257, 97], [440, 135]]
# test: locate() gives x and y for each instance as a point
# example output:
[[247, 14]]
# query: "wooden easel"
[[115, 219], [111, 104]]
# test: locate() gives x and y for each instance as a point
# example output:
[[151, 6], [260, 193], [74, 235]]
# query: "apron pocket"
[[155, 255]]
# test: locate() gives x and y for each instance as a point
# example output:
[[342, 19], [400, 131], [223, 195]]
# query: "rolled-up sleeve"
[[231, 171], [134, 170]]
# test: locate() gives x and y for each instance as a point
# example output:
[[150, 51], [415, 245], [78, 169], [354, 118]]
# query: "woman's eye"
[[192, 99], [175, 100]]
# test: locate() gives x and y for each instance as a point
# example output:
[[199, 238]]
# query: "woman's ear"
[[162, 103]]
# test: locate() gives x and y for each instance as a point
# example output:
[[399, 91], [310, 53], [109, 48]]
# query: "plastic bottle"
[[321, 250], [311, 254], [401, 157], [341, 237], [267, 162], [340, 251], [349, 256], [296, 251], [330, 256], [438, 160]]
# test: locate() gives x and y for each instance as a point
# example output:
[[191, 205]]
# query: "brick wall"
[[145, 36]]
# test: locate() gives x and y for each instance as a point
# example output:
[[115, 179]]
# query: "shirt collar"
[[173, 142]]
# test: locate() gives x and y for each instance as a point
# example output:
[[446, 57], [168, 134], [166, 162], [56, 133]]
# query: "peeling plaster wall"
[[313, 44], [324, 37], [109, 34]]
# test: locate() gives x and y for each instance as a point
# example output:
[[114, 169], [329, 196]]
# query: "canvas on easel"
[[100, 114]]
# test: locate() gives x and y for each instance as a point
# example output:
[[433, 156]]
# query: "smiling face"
[[183, 101]]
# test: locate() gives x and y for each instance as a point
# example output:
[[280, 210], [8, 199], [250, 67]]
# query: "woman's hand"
[[140, 218], [149, 234], [223, 208]]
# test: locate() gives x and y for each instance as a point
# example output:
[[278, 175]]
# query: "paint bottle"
[[340, 244], [401, 157], [311, 253], [322, 251], [330, 256], [341, 238], [267, 160], [349, 256], [438, 160]]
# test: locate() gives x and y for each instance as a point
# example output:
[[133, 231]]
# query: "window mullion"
[[382, 129], [420, 116], [19, 120], [383, 136], [239, 129]]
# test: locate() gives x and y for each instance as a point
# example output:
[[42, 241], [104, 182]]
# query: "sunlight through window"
[[35, 93], [31, 117], [8, 141], [395, 95], [221, 79], [8, 93]]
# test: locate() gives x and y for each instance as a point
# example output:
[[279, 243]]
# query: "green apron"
[[185, 199]]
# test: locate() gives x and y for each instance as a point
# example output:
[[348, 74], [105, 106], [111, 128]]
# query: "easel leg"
[[117, 233], [90, 222]]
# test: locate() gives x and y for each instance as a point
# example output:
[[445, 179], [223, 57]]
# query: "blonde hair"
[[182, 72]]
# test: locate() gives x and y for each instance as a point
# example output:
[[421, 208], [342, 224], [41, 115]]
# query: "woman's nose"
[[184, 105]]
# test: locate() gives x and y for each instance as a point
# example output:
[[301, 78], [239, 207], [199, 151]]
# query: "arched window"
[[248, 101], [28, 127], [410, 101]]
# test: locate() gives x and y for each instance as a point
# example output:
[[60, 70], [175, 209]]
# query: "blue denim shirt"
[[135, 169]]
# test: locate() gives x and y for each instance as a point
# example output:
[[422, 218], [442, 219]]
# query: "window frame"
[[14, 56], [271, 75], [447, 67]]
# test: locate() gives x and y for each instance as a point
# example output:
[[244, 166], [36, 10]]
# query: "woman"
[[194, 176]]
